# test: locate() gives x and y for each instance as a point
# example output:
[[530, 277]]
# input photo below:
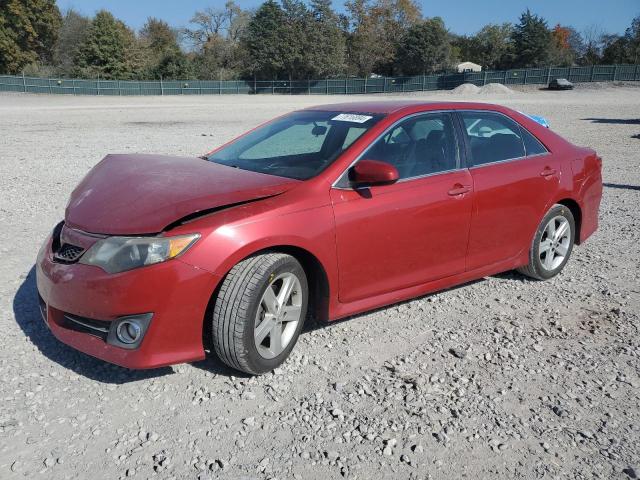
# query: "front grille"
[[97, 328], [68, 253]]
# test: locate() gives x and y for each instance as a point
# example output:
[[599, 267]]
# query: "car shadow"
[[614, 121]]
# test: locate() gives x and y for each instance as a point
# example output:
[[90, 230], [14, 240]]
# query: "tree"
[[71, 35], [632, 36], [163, 56], [215, 36], [227, 22], [294, 40], [593, 45], [616, 49], [158, 37], [110, 50], [263, 41], [491, 47], [28, 32], [363, 51], [623, 48], [425, 48], [326, 48], [172, 65], [562, 52], [377, 27], [531, 41]]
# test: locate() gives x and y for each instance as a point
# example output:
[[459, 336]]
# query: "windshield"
[[299, 145]]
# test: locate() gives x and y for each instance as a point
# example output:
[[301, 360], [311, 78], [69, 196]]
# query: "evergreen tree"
[[294, 41], [326, 48], [110, 50], [263, 41], [532, 41], [28, 32]]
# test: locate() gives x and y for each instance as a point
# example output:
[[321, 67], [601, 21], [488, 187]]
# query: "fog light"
[[128, 332]]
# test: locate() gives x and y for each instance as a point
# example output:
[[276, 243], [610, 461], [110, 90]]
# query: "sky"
[[460, 16]]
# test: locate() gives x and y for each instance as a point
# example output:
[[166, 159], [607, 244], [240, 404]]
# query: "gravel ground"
[[500, 378]]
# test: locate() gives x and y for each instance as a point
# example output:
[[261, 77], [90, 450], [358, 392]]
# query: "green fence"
[[532, 76]]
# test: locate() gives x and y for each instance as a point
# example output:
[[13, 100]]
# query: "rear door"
[[395, 236], [514, 179]]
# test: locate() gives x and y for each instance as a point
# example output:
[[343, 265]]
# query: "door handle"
[[548, 171], [458, 190]]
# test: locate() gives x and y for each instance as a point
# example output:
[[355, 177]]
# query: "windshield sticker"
[[352, 117]]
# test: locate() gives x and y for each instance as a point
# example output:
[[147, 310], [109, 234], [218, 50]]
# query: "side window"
[[297, 139], [532, 145], [492, 137], [418, 146]]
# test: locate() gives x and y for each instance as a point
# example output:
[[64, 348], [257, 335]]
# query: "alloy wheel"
[[278, 315], [554, 243]]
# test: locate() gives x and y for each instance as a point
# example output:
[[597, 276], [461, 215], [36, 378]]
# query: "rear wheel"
[[552, 244], [259, 312]]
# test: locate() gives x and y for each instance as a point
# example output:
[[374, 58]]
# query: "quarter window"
[[418, 146], [532, 145], [492, 137]]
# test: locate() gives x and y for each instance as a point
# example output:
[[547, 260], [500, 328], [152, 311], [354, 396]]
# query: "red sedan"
[[324, 212]]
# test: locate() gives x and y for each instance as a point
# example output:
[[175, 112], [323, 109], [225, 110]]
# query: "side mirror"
[[373, 172]]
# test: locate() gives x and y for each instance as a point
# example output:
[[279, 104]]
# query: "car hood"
[[143, 194]]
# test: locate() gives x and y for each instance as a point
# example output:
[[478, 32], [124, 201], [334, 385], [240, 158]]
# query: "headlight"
[[118, 254]]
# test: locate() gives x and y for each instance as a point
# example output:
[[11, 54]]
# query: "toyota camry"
[[322, 213]]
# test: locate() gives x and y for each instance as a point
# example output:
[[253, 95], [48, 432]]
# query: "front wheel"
[[259, 312], [552, 244]]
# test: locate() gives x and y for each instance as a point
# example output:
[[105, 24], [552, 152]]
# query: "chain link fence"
[[329, 86]]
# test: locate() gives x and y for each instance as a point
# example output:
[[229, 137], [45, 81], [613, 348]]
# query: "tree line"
[[289, 39]]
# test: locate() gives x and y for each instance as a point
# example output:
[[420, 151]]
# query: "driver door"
[[416, 230]]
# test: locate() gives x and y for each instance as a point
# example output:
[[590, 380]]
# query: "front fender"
[[224, 245]]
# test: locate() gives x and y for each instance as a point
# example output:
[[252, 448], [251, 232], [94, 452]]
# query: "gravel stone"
[[498, 378]]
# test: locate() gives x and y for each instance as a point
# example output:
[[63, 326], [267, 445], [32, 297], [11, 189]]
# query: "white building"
[[469, 67]]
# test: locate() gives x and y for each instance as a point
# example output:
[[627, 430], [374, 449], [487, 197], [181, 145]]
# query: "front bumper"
[[175, 293]]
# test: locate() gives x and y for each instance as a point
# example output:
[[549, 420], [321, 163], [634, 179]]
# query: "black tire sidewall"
[[556, 210], [256, 362]]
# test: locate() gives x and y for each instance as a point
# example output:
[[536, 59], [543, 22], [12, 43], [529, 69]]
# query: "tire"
[[240, 308], [548, 256]]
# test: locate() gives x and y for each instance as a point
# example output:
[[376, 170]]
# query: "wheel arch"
[[576, 211], [317, 277]]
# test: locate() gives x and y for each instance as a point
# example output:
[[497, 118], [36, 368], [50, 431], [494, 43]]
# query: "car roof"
[[396, 106]]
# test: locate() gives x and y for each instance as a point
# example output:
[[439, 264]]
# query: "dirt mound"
[[495, 89], [465, 89]]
